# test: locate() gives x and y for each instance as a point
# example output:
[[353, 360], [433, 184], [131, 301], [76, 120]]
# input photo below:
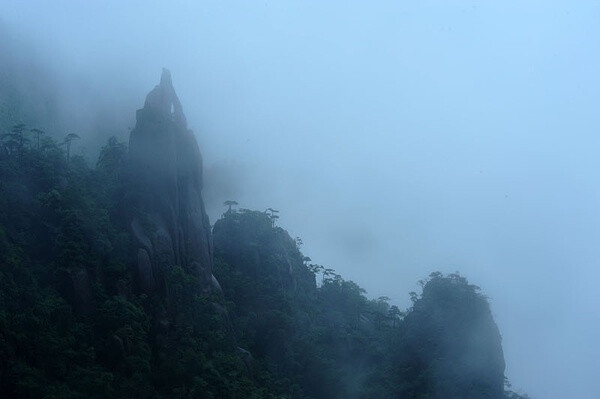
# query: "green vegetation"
[[73, 323]]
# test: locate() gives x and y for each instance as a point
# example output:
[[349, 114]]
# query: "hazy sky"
[[395, 137]]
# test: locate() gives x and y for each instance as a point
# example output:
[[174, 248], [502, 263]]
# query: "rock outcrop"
[[169, 222], [248, 241], [452, 348]]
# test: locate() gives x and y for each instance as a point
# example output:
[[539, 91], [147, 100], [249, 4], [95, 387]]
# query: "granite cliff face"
[[169, 224], [451, 343]]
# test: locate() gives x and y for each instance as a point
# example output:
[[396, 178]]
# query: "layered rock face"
[[170, 223]]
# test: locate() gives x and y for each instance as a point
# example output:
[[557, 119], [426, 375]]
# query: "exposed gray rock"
[[452, 343], [170, 223]]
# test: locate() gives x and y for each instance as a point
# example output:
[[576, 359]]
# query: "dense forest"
[[87, 310]]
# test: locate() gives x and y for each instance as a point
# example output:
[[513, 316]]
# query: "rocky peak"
[[170, 222], [163, 100], [452, 345]]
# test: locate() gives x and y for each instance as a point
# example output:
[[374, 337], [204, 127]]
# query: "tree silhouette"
[[10, 142], [230, 203], [15, 140], [327, 275], [316, 269], [67, 142], [38, 133], [111, 156], [394, 313], [413, 297]]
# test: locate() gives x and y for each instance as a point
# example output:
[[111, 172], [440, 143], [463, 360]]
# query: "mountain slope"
[[84, 315]]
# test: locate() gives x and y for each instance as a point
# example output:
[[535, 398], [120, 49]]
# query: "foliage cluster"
[[303, 322], [73, 323]]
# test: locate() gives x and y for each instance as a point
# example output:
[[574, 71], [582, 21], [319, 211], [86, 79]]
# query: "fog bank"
[[395, 139]]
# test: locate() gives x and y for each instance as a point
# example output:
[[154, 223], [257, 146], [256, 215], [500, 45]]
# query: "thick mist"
[[394, 138]]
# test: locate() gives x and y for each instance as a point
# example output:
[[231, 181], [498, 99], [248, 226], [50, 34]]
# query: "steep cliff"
[[249, 240], [169, 220], [106, 291], [449, 345], [334, 342]]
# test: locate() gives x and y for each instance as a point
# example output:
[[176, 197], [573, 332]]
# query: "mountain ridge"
[[80, 315]]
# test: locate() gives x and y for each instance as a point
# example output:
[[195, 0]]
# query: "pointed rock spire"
[[170, 223]]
